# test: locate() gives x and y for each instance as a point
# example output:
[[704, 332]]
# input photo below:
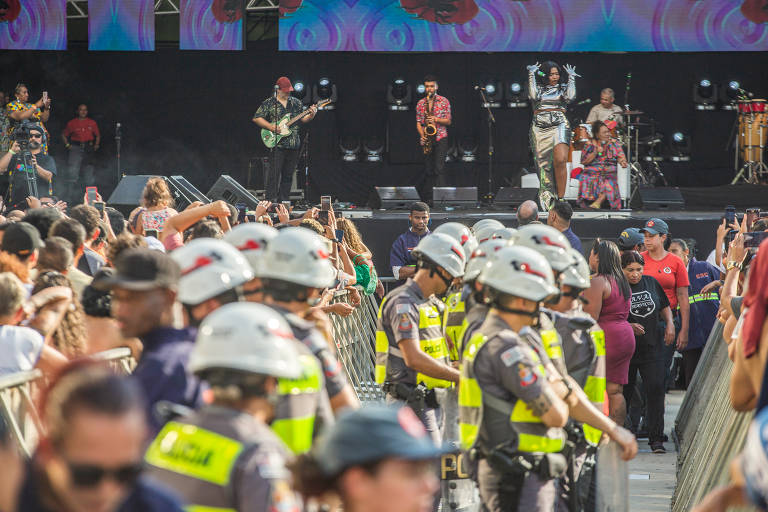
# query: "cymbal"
[[631, 112]]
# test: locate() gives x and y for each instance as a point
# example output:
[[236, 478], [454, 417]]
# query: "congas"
[[583, 133], [759, 106], [753, 133]]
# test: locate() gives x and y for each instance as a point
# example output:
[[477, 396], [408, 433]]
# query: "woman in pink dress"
[[609, 296]]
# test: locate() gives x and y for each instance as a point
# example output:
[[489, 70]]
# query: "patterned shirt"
[[293, 108], [4, 135], [17, 106], [441, 109]]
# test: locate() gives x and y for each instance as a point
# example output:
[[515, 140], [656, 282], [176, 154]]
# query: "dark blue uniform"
[[703, 312], [400, 254]]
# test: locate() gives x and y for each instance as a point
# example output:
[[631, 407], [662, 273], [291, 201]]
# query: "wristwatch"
[[733, 264]]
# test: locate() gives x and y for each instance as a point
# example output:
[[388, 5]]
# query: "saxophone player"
[[433, 116]]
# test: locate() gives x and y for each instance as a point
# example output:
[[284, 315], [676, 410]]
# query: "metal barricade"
[[119, 359], [709, 432], [19, 410], [355, 337]]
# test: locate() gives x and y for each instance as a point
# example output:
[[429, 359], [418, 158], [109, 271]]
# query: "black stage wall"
[[189, 112]]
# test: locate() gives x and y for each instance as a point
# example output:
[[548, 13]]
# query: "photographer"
[[42, 166]]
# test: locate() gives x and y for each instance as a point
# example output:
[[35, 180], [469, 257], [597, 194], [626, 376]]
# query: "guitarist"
[[286, 153], [433, 109]]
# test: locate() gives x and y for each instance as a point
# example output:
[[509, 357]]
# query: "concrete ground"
[[651, 475]]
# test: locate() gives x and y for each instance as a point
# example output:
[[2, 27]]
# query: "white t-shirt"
[[20, 348]]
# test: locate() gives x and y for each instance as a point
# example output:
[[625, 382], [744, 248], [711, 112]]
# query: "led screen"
[[121, 25], [211, 25], [33, 25]]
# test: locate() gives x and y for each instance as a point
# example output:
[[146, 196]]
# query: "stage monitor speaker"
[[395, 198], [661, 198], [229, 190], [454, 197], [184, 193], [128, 193], [512, 197]]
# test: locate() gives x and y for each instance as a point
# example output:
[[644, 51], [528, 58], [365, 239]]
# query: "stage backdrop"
[[121, 25], [530, 25], [33, 25], [211, 25]]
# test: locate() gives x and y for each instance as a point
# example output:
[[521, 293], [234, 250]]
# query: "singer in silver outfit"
[[550, 134]]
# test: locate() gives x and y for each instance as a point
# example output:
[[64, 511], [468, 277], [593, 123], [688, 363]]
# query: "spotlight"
[[399, 96], [421, 90], [300, 91], [494, 94], [729, 95], [467, 149], [680, 146], [325, 89], [516, 95], [705, 94], [350, 147], [373, 147]]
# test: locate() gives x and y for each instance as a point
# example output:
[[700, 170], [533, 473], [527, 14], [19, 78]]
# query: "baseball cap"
[[655, 226], [284, 84], [21, 239], [141, 269], [374, 433], [629, 238]]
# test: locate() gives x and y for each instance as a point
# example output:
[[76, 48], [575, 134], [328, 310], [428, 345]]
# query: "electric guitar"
[[271, 138]]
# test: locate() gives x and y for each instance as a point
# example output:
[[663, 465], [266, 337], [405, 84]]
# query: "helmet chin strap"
[[433, 271], [533, 314]]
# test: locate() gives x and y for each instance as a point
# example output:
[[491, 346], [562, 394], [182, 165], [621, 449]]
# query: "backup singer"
[[599, 180], [286, 155], [550, 131], [433, 109]]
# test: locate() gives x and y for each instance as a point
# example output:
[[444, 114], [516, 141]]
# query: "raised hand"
[[571, 70], [533, 67]]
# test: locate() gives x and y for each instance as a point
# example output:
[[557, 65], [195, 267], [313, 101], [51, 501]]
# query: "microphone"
[[277, 87], [584, 102], [540, 72], [479, 88], [117, 129], [746, 93]]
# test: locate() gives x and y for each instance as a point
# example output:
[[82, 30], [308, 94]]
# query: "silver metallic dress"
[[548, 129]]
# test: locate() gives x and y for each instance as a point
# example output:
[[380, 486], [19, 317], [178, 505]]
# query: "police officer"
[[411, 352], [251, 239], [512, 409], [224, 457], [482, 223]]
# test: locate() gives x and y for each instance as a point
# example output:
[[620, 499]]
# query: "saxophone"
[[430, 130]]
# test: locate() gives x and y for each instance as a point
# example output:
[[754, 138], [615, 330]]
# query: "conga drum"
[[753, 116]]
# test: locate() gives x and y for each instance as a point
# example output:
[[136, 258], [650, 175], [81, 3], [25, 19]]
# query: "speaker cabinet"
[[512, 197], [395, 198], [227, 189], [661, 198]]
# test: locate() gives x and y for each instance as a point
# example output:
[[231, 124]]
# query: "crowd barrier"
[[18, 408], [119, 359], [708, 432]]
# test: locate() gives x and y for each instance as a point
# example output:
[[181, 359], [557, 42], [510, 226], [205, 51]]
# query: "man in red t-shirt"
[[82, 138], [671, 273]]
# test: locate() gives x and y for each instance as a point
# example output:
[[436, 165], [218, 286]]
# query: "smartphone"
[[339, 235], [754, 238], [99, 205], [325, 203], [730, 215], [151, 232], [287, 205], [729, 238], [752, 216], [240, 212], [92, 194], [45, 96], [322, 217]]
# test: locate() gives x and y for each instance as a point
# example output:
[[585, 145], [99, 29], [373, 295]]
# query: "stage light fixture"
[[680, 146], [421, 90], [729, 95], [373, 148], [350, 147], [494, 93], [399, 95], [705, 94], [300, 91], [325, 89], [516, 95], [467, 149]]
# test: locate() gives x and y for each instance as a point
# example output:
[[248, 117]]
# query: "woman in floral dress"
[[599, 181]]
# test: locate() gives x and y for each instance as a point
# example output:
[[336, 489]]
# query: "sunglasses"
[[86, 475]]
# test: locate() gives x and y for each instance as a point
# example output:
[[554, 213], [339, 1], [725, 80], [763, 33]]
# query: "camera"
[[21, 133]]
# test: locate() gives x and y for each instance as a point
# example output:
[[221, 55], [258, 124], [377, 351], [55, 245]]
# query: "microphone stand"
[[488, 197], [117, 145], [274, 176]]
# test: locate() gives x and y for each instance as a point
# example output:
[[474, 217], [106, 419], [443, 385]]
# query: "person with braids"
[[70, 336]]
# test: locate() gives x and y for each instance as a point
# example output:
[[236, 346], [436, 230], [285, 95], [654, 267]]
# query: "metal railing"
[[709, 433], [355, 337], [119, 359], [19, 410]]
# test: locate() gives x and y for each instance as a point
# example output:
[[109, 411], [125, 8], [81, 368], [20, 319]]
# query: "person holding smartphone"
[[22, 110]]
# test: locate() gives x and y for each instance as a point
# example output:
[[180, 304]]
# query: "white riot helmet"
[[462, 234], [548, 242], [520, 272], [484, 253], [484, 223], [247, 337], [209, 267], [251, 239], [509, 234], [300, 256], [442, 250], [577, 275], [486, 232]]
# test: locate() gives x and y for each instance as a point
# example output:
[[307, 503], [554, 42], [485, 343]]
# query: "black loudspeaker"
[[454, 197], [184, 193], [232, 192], [128, 192], [661, 198], [512, 197], [397, 198]]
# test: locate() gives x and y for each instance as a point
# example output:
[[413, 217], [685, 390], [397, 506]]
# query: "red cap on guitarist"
[[284, 84]]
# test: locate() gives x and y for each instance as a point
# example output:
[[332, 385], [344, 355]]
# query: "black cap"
[[141, 269], [21, 239], [629, 238], [374, 433]]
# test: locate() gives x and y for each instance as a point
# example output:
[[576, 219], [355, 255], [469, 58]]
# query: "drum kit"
[[753, 133]]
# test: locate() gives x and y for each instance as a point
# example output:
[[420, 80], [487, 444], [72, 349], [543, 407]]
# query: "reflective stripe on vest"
[[454, 323], [700, 297], [194, 452], [431, 342], [533, 436], [552, 344], [200, 508], [595, 385], [297, 431]]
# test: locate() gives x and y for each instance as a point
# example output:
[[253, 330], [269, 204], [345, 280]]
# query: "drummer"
[[605, 110]]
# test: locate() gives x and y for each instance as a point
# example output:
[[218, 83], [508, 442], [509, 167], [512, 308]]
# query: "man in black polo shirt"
[[41, 167]]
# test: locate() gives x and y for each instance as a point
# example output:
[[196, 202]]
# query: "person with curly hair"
[[70, 336], [156, 206]]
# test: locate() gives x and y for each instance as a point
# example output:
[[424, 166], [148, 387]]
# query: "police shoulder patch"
[[402, 308], [512, 356]]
